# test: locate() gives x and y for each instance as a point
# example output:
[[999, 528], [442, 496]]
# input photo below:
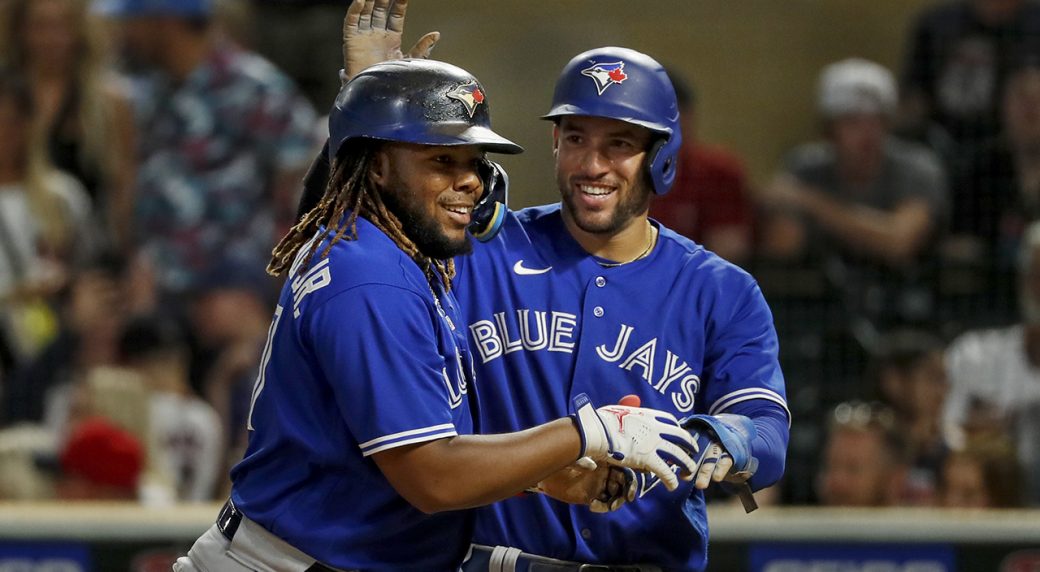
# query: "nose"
[[468, 180], [594, 163]]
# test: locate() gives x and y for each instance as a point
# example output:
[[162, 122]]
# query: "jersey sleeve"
[[741, 358], [378, 347]]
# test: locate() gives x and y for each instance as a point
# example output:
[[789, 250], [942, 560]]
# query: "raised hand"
[[372, 31]]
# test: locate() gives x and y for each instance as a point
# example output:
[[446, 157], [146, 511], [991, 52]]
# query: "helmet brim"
[[565, 110], [466, 134]]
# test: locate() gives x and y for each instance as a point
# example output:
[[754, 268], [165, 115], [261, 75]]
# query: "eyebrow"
[[628, 132]]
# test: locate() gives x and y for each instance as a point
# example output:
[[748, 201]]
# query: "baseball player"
[[590, 296], [360, 452]]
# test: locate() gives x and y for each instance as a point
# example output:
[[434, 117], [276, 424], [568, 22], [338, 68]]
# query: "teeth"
[[596, 191], [460, 210]]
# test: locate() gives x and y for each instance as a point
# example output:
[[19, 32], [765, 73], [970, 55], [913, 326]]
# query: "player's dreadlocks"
[[349, 188]]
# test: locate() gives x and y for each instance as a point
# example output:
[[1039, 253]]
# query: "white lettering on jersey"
[[673, 370], [562, 327], [619, 347], [493, 340], [486, 337], [510, 346], [643, 358], [456, 390], [316, 278], [525, 330], [689, 386]]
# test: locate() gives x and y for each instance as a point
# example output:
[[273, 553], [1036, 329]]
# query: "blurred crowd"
[[150, 161]]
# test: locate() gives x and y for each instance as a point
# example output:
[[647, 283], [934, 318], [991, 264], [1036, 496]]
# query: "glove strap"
[[595, 440]]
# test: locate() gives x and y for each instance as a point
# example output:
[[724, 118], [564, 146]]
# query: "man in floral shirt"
[[224, 139]]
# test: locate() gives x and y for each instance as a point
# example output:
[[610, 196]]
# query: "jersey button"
[[598, 311], [601, 281], [586, 533]]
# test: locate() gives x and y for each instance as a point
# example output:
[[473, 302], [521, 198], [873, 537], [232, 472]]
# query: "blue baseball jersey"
[[681, 328], [362, 357]]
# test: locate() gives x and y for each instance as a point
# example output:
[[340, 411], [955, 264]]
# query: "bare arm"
[[474, 470], [894, 236]]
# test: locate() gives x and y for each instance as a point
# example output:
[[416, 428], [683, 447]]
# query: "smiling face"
[[600, 172], [432, 190]]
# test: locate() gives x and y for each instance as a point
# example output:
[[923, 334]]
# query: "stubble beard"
[[420, 226], [634, 204]]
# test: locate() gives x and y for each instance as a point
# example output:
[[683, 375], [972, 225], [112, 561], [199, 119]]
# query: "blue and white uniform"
[[682, 328], [362, 357]]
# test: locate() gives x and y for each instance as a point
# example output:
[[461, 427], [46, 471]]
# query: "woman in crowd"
[[81, 110]]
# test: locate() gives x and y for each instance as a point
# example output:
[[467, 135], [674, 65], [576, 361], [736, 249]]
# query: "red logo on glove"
[[620, 414]]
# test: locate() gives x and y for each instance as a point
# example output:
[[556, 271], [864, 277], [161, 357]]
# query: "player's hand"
[[372, 33], [638, 438], [714, 467], [603, 488]]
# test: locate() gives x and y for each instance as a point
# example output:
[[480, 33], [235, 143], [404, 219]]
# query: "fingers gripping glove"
[[734, 433], [621, 488], [634, 437]]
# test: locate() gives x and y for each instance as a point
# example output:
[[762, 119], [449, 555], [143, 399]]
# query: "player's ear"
[[379, 167], [556, 138]]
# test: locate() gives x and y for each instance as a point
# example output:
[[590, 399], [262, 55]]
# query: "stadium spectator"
[[863, 204], [995, 375], [908, 370], [709, 201], [82, 109], [997, 191], [958, 56], [225, 138], [45, 229], [89, 319], [184, 430], [983, 475], [100, 461], [230, 316], [863, 460]]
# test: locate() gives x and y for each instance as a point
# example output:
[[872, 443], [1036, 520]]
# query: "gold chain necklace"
[[649, 247]]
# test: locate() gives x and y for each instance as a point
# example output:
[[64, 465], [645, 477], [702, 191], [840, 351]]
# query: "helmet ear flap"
[[661, 161], [489, 212]]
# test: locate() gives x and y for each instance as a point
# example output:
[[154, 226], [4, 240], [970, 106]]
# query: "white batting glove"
[[635, 437], [372, 33]]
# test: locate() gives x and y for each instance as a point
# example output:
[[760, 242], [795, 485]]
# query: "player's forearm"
[[770, 443], [474, 470]]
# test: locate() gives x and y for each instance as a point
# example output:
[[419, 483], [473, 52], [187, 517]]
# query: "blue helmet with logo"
[[415, 101], [623, 84]]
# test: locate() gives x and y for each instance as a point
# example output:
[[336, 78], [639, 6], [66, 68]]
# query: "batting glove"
[[635, 437]]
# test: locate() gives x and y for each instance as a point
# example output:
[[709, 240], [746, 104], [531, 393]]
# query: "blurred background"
[[875, 165]]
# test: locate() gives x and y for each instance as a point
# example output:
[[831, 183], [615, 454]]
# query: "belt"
[[230, 518], [506, 559]]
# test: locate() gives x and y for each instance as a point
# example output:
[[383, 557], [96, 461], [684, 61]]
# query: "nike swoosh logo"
[[520, 269]]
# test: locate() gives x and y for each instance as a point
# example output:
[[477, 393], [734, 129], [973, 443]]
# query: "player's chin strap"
[[734, 433], [488, 213]]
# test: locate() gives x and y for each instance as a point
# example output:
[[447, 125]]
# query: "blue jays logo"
[[606, 75], [469, 94]]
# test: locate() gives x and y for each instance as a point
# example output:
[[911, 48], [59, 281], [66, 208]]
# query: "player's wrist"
[[595, 441]]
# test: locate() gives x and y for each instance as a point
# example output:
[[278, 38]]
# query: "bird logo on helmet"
[[629, 86], [469, 94], [605, 75], [420, 101]]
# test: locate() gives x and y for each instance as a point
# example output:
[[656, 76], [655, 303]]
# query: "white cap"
[[856, 86]]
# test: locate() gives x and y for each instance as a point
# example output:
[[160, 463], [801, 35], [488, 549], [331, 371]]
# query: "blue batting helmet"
[[415, 101], [623, 84]]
